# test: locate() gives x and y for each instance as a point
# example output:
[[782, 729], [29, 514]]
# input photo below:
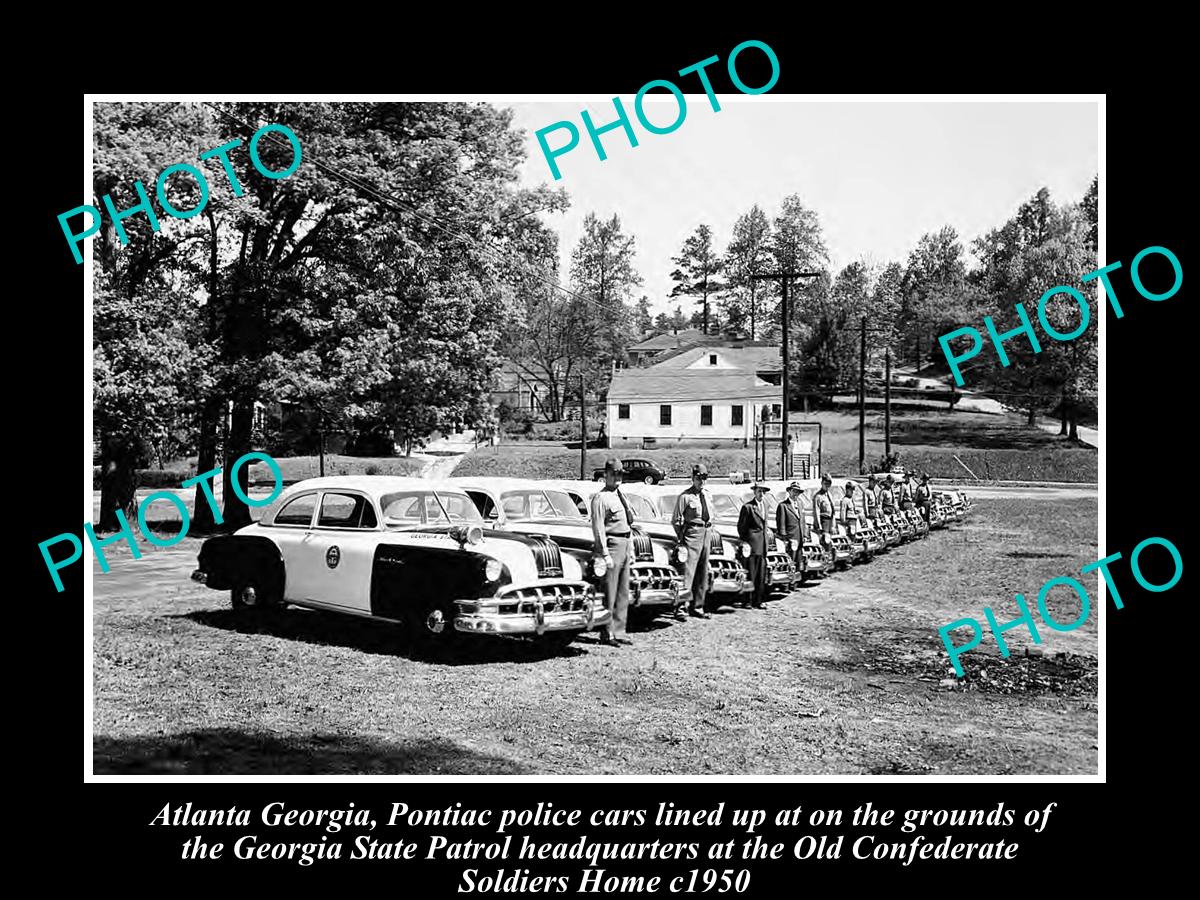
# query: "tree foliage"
[[697, 273]]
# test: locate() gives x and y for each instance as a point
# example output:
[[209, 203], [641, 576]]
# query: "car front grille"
[[778, 561], [554, 598], [643, 548], [724, 568], [653, 578], [548, 557]]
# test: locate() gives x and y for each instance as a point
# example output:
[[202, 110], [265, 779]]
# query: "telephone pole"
[[784, 278], [582, 428], [862, 397], [887, 402]]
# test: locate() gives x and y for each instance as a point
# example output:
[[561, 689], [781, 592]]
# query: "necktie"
[[704, 509]]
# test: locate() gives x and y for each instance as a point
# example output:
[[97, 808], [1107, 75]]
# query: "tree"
[[887, 303], [643, 323], [698, 267], [796, 245], [748, 254], [932, 291], [603, 278]]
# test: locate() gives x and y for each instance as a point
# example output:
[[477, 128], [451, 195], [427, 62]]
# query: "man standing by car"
[[791, 527], [849, 511], [871, 502], [924, 496], [752, 528], [886, 499], [906, 493], [823, 512], [692, 520], [612, 521]]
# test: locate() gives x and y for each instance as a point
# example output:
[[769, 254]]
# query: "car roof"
[[370, 484], [497, 483]]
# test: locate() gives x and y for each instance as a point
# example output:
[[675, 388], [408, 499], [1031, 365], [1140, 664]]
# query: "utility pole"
[[582, 428], [862, 397], [784, 278], [887, 402]]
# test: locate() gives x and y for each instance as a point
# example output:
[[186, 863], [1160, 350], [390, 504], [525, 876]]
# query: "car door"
[[290, 530], [339, 551]]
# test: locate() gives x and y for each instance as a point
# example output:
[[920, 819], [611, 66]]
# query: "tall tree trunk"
[[1032, 415], [119, 459], [241, 434], [1074, 432], [1062, 412], [206, 461]]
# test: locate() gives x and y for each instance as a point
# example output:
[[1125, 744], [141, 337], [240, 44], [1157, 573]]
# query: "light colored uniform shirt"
[[822, 505], [870, 503], [849, 510], [689, 511], [608, 517]]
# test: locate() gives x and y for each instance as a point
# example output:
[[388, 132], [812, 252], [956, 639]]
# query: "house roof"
[[654, 385], [668, 341], [750, 359]]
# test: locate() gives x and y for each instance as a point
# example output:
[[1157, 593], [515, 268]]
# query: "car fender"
[[229, 559]]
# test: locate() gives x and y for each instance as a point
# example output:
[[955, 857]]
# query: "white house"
[[669, 405], [764, 361]]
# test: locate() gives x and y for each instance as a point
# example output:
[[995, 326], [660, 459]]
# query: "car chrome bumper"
[[534, 609], [653, 585]]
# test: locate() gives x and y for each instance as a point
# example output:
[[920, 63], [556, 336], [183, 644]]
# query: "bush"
[[156, 478]]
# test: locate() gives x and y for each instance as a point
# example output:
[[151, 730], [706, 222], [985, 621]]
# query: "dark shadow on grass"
[[377, 637], [230, 751]]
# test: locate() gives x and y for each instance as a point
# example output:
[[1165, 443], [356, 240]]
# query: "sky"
[[878, 175]]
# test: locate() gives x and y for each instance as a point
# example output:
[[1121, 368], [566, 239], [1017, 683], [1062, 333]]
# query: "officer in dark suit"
[[791, 527], [752, 528]]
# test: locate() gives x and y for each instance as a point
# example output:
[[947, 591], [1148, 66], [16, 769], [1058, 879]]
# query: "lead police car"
[[403, 549]]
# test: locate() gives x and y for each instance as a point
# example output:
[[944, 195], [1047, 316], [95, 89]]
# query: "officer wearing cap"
[[692, 520], [752, 528], [791, 526], [849, 509], [823, 510], [906, 492], [612, 522], [871, 501], [923, 496], [886, 499]]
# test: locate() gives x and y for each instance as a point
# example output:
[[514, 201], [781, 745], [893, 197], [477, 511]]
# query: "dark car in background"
[[636, 470]]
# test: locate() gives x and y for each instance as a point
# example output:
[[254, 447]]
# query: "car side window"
[[485, 504], [345, 511], [298, 511]]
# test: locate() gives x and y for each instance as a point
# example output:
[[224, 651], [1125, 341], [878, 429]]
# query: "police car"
[[406, 550]]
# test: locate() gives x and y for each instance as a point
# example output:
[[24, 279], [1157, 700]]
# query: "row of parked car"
[[506, 556]]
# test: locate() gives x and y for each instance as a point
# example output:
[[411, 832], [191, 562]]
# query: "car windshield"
[[725, 506], [413, 509], [538, 504], [642, 508]]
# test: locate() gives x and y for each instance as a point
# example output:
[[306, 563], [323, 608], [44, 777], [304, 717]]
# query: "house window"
[[622, 410], [776, 411], [705, 415], [735, 415], [712, 359], [664, 414]]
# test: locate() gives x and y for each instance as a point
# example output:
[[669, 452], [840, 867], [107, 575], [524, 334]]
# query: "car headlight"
[[744, 550], [681, 553], [493, 570], [599, 567]]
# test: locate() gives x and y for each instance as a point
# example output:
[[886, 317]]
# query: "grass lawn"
[[994, 447], [844, 676]]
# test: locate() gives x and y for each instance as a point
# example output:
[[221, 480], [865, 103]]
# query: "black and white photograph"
[[533, 436]]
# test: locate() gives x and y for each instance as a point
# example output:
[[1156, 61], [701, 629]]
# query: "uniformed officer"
[[612, 522], [923, 496], [871, 501], [692, 520], [849, 509], [791, 527], [823, 512], [886, 497], [906, 493], [752, 528]]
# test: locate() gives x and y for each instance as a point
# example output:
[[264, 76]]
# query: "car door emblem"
[[333, 556]]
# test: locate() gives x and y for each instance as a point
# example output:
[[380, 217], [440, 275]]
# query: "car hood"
[[510, 548]]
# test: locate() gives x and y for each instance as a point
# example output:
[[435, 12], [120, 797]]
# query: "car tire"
[[558, 641], [599, 478], [650, 479], [251, 596], [433, 625]]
